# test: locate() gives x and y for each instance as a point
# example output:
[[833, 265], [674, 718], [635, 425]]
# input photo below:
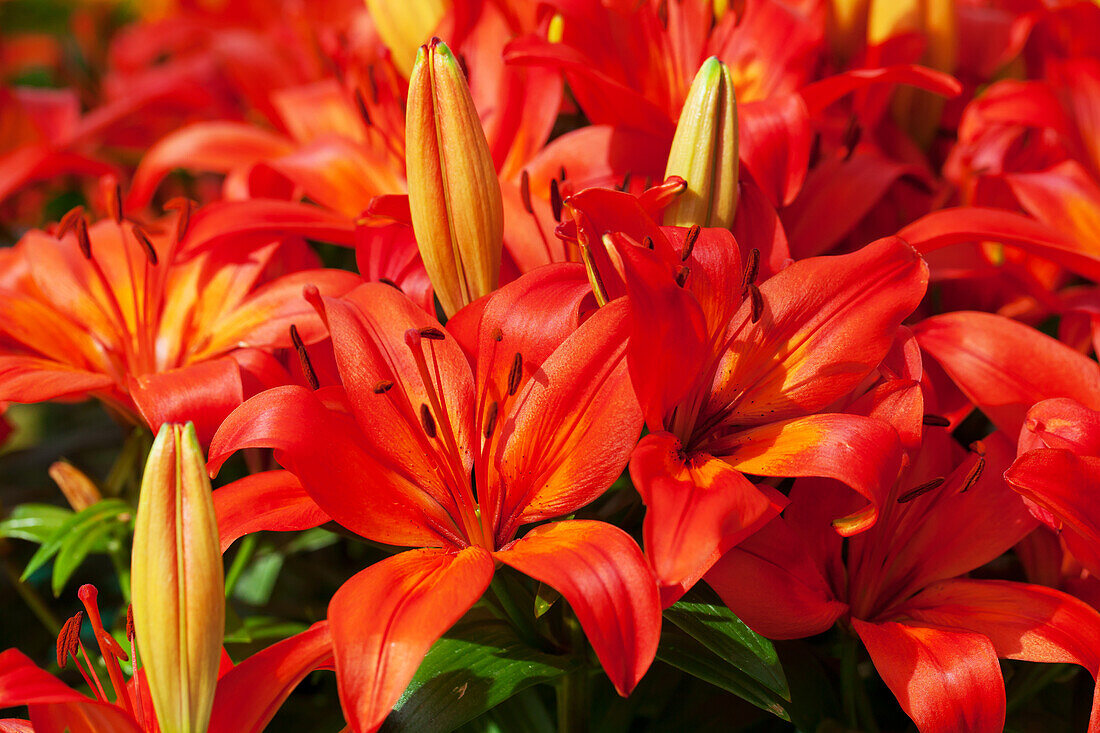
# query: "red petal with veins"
[[267, 501], [249, 694], [826, 323], [946, 680], [258, 221], [862, 452], [1029, 622], [203, 393], [602, 574], [697, 507], [1005, 367], [1068, 488], [385, 618], [325, 450]]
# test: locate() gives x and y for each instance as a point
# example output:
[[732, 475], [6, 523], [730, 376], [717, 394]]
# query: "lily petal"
[[267, 501], [384, 619], [862, 452], [697, 507], [1005, 367], [946, 680], [249, 695], [602, 574]]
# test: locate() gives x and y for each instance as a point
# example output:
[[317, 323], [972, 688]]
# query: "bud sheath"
[[178, 586], [704, 151], [454, 193]]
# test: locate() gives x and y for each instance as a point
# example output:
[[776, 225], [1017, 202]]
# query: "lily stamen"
[[920, 490], [689, 242], [303, 357], [515, 374]]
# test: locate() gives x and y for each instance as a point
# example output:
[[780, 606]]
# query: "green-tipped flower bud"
[[704, 151]]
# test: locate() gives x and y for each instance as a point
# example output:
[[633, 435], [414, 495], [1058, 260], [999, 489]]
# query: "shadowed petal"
[[946, 680], [268, 501], [385, 618], [601, 572]]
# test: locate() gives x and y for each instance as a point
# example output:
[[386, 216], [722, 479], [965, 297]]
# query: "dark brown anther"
[[432, 333], [647, 242], [555, 199], [145, 242], [68, 640], [130, 623], [391, 283], [924, 488], [372, 85], [427, 420], [561, 172], [757, 303], [974, 475], [383, 387], [978, 447], [626, 182], [361, 105], [682, 276], [936, 421], [525, 191], [115, 204], [68, 222], [662, 13], [82, 238], [497, 334], [465, 67], [515, 374], [752, 269], [491, 420], [303, 358], [647, 183], [689, 242]]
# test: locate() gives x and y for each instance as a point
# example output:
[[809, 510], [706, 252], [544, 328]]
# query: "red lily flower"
[[733, 385], [156, 332], [933, 634], [1058, 473], [449, 440], [248, 694]]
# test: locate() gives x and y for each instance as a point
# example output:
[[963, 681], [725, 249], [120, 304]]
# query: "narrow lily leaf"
[[719, 630], [87, 538], [86, 519], [477, 665], [683, 651], [34, 522]]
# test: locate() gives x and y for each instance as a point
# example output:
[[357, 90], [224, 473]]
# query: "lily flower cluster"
[[585, 352]]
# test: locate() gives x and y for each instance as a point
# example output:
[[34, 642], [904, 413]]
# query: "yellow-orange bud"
[[704, 151], [454, 193], [177, 582]]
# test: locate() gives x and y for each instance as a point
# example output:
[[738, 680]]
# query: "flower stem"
[[573, 686], [522, 624]]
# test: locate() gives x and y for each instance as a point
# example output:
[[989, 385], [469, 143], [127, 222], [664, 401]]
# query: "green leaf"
[[82, 522], [89, 538], [480, 663], [34, 522], [705, 639], [544, 599]]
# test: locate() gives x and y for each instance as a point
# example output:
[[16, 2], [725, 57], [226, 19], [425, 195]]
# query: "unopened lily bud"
[[454, 193], [177, 582], [704, 151], [80, 491]]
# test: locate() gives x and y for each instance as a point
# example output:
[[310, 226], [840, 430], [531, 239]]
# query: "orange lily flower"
[[449, 440], [124, 314], [933, 634], [735, 383]]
